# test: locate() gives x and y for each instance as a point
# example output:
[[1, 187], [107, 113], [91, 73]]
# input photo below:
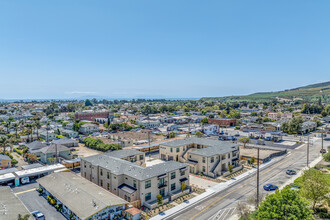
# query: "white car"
[[38, 215]]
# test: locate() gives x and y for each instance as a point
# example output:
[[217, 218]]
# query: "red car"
[[323, 151]]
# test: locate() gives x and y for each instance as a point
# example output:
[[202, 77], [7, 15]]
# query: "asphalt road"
[[33, 202], [223, 205]]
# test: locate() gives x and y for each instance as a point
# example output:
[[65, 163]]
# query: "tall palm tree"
[[30, 127], [16, 126], [3, 143], [13, 141], [37, 125], [7, 125]]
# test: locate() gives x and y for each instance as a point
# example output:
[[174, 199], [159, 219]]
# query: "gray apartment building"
[[126, 174], [207, 156]]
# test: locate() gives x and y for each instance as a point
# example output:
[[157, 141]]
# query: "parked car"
[[291, 172], [268, 139], [269, 187], [323, 151], [38, 215]]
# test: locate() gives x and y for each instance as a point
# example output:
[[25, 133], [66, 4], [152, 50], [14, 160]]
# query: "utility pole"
[[322, 137], [258, 177], [56, 153], [308, 152]]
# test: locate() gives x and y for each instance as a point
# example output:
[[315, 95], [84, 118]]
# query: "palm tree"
[[7, 125], [3, 143], [13, 141], [37, 125], [30, 127], [16, 126]]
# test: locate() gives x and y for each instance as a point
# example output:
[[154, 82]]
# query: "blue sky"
[[173, 48]]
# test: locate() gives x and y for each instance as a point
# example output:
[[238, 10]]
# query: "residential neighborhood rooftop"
[[78, 194]]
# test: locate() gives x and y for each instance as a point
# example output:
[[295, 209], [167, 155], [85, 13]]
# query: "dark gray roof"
[[36, 145], [194, 140], [52, 148], [123, 153], [64, 141], [214, 146], [120, 166], [4, 157]]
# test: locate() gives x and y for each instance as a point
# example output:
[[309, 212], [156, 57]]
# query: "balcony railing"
[[161, 185]]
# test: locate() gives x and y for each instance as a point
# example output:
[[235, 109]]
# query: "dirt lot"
[[83, 151]]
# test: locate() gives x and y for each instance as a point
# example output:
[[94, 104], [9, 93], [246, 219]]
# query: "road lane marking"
[[29, 190]]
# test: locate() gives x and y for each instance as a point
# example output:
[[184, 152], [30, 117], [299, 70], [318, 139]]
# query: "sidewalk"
[[213, 190]]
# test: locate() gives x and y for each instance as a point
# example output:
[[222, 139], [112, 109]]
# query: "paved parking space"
[[200, 182], [31, 199]]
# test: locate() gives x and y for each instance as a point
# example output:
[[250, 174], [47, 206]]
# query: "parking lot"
[[31, 199]]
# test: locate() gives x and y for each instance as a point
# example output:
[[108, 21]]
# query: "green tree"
[[159, 199], [327, 157], [204, 121], [199, 134], [171, 135], [88, 103], [3, 143], [230, 168], [253, 159], [315, 186], [183, 187], [244, 140], [285, 204]]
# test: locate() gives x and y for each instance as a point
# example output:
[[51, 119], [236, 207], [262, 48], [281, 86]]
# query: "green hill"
[[309, 92]]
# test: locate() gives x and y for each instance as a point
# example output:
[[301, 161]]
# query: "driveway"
[[31, 199]]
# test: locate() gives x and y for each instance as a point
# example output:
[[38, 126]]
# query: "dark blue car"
[[269, 187]]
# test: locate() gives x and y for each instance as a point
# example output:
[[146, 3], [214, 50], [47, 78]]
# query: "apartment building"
[[207, 156], [89, 128], [126, 174]]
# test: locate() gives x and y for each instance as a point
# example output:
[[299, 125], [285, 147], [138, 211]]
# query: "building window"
[[212, 159], [203, 159], [162, 192], [148, 196], [101, 182], [183, 173], [101, 172], [141, 157], [108, 175], [148, 184], [172, 186], [134, 183], [108, 186], [203, 168], [173, 175], [85, 164], [171, 150], [177, 150], [228, 155]]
